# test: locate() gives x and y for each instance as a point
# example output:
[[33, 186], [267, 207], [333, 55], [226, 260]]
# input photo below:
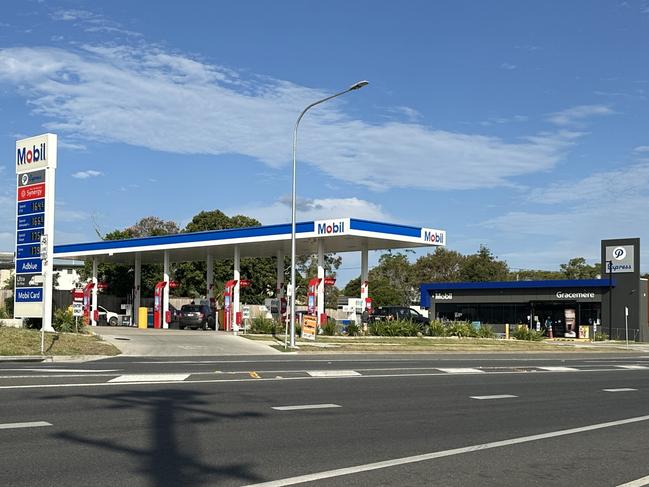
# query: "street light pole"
[[353, 87]]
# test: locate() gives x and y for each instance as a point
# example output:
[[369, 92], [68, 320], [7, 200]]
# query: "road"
[[417, 420]]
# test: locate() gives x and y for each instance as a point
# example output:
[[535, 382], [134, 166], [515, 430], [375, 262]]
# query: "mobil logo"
[[331, 227], [27, 155], [430, 235]]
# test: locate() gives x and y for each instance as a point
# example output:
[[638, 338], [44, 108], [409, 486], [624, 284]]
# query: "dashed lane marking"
[[495, 396], [150, 378], [332, 373], [636, 483], [559, 369], [306, 406], [621, 389], [633, 367], [462, 370], [33, 424]]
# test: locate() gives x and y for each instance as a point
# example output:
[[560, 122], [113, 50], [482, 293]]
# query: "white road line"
[[327, 474], [622, 389], [33, 424], [462, 370], [559, 369], [501, 396], [636, 483], [633, 367], [150, 377], [332, 373], [72, 371], [306, 406]]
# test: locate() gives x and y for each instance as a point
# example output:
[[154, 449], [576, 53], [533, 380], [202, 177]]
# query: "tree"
[[191, 276], [578, 269], [120, 277], [443, 265], [483, 266], [534, 275]]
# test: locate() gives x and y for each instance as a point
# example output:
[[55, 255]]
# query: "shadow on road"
[[173, 455]]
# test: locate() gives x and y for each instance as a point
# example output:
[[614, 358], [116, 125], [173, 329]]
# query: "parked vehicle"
[[196, 316], [112, 319], [398, 313]]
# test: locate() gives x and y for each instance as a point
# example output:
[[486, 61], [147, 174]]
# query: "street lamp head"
[[359, 85]]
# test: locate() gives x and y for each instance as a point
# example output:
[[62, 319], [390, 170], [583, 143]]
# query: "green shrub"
[[522, 333], [437, 329], [600, 336], [266, 326], [461, 329], [397, 328], [64, 321], [353, 330], [329, 328], [485, 332]]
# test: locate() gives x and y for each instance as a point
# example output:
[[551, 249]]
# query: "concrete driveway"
[[168, 343]]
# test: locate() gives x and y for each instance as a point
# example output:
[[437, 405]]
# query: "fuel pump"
[[227, 304], [158, 306], [312, 296], [87, 290]]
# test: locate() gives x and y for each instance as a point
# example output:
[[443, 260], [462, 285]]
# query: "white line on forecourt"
[[636, 483], [501, 396], [621, 389], [327, 474], [306, 406], [633, 367], [33, 424]]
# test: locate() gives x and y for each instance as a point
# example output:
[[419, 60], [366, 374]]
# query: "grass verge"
[[426, 344], [17, 341]]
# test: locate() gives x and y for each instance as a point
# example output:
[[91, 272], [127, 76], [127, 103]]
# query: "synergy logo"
[[433, 236], [330, 227], [28, 156]]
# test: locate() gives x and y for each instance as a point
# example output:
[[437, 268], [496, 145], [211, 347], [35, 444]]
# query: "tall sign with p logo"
[[35, 171]]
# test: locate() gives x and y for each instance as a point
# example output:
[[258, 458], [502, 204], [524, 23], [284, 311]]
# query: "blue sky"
[[520, 125]]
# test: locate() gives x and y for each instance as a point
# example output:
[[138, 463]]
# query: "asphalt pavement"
[[422, 420]]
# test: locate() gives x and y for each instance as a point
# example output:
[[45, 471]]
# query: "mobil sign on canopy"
[[35, 165]]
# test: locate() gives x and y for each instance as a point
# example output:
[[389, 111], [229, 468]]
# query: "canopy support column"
[[137, 286], [93, 301], [237, 278], [321, 286], [280, 274], [210, 278], [165, 290], [365, 288]]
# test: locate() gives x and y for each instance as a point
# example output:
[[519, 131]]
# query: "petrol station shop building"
[[606, 305]]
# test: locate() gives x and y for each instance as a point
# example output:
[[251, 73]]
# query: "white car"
[[111, 318]]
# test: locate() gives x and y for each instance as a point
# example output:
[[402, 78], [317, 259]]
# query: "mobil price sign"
[[35, 166]]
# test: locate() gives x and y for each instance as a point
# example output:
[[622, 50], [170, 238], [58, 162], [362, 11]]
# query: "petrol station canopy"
[[338, 235]]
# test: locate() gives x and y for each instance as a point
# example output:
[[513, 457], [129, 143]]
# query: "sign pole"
[[626, 325]]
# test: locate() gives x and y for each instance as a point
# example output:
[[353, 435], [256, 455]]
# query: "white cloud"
[[87, 174], [508, 66], [576, 115], [609, 204], [314, 209], [641, 148], [166, 102]]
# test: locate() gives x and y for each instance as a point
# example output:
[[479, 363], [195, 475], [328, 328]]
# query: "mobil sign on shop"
[[327, 228], [35, 166], [430, 235]]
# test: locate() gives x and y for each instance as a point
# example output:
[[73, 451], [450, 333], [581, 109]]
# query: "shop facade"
[[616, 304]]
